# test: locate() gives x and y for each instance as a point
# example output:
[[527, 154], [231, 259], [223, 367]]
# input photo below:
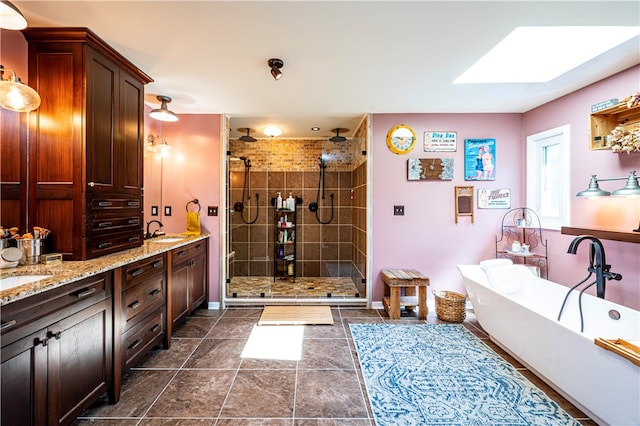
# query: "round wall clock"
[[401, 139]]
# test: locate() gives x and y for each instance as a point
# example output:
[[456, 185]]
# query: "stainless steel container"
[[32, 248]]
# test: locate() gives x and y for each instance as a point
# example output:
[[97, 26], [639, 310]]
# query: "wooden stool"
[[407, 279]]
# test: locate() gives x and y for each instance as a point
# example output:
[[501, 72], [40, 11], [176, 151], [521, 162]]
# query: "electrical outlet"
[[212, 211], [398, 210], [167, 210], [154, 210]]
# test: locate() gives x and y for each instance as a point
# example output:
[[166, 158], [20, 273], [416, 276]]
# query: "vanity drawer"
[[114, 223], [142, 298], [142, 337], [112, 204], [190, 251], [112, 242], [142, 269]]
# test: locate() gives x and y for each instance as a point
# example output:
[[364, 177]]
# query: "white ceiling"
[[342, 59]]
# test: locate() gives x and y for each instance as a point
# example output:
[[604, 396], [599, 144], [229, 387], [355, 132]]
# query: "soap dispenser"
[[291, 202], [279, 201]]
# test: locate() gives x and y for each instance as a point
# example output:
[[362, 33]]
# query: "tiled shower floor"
[[203, 380], [285, 288]]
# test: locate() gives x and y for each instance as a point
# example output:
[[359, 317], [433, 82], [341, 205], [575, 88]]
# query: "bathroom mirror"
[[401, 139]]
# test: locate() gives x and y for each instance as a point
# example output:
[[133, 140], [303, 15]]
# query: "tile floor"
[[202, 380]]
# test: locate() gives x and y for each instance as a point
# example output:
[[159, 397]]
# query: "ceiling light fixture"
[[315, 129], [163, 113], [337, 137], [275, 64], [246, 138], [272, 131], [15, 95], [10, 17]]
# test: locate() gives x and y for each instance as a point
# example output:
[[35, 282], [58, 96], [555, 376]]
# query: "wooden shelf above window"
[[605, 234], [603, 122]]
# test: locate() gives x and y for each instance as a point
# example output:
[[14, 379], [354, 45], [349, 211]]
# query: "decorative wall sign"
[[440, 141], [494, 198], [479, 159], [430, 169], [464, 201], [401, 139]]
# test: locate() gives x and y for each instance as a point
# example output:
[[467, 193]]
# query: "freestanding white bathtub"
[[519, 312]]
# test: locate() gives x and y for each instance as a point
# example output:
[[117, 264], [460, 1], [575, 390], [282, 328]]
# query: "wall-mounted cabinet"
[[85, 143], [603, 122]]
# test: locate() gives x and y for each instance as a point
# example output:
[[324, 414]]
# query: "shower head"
[[246, 138], [337, 137]]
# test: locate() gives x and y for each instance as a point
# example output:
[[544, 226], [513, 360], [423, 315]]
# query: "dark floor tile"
[[139, 389], [177, 422], [334, 331], [329, 394], [268, 364], [193, 393], [208, 313], [319, 354], [194, 327], [359, 312], [217, 353], [105, 422], [253, 313], [233, 328], [173, 357], [261, 393], [254, 422]]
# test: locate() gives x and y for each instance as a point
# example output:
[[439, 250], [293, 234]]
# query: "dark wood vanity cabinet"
[[85, 143], [189, 279], [57, 356]]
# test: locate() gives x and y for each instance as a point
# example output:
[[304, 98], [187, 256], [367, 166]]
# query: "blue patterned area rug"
[[441, 374]]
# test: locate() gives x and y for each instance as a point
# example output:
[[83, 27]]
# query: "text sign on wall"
[[440, 141], [494, 198]]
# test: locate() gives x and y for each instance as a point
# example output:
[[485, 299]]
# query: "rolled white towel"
[[494, 263]]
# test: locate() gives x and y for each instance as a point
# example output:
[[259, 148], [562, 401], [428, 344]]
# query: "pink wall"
[[192, 171], [607, 212], [426, 237], [13, 53]]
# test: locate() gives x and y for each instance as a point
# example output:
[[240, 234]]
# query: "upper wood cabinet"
[[85, 143]]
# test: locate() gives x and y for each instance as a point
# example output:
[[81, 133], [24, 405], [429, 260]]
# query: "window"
[[548, 186]]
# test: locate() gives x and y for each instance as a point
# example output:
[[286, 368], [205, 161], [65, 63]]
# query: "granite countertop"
[[69, 271]]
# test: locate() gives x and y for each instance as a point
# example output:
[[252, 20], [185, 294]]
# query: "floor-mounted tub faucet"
[[597, 263]]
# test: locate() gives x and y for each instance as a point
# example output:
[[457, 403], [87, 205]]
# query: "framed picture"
[[494, 198], [430, 169], [464, 201], [479, 159], [440, 141]]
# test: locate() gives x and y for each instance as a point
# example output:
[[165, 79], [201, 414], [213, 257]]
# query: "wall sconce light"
[[10, 17], [163, 113], [15, 95], [275, 64], [246, 138], [272, 131], [631, 189], [163, 149]]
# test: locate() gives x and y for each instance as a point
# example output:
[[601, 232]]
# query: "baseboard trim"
[[213, 306]]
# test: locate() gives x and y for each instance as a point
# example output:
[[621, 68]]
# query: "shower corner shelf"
[[285, 242], [523, 224]]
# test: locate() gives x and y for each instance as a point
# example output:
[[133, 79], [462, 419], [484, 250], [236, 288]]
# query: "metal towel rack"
[[194, 201]]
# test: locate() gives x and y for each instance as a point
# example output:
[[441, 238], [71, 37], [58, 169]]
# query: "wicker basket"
[[450, 306]]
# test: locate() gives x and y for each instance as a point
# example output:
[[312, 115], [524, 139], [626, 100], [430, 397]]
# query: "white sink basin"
[[167, 240], [18, 280]]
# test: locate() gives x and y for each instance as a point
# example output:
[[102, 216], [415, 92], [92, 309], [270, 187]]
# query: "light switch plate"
[[212, 211], [167, 210], [154, 210], [398, 210]]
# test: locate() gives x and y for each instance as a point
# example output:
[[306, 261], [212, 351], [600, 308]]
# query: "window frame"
[[535, 146]]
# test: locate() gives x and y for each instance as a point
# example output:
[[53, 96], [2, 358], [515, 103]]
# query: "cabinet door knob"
[[134, 304], [154, 292], [91, 184], [8, 324], [86, 292], [137, 272], [157, 264], [38, 341], [134, 345], [155, 328], [52, 335]]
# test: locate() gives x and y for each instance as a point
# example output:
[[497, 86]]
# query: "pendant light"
[[15, 95], [337, 137], [246, 138], [10, 17], [163, 113]]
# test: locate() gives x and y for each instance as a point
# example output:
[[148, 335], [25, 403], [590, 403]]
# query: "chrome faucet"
[[150, 235], [597, 262]]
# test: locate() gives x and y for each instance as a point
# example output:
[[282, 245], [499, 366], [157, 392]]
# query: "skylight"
[[540, 54]]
